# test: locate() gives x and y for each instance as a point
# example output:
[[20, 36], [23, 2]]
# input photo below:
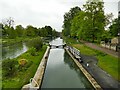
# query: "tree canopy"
[[90, 23], [8, 30]]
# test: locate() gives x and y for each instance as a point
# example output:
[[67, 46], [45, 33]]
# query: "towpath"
[[97, 47]]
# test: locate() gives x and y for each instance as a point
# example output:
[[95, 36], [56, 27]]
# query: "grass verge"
[[23, 73], [107, 62], [6, 42]]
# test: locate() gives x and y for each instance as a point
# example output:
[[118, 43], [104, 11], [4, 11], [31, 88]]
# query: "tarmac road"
[[105, 80]]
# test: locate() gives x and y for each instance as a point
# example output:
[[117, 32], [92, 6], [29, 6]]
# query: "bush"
[[22, 62], [9, 67], [37, 43], [33, 51]]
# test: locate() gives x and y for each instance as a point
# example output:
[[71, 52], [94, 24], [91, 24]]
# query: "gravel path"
[[107, 51]]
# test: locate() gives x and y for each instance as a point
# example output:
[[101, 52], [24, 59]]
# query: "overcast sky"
[[39, 13]]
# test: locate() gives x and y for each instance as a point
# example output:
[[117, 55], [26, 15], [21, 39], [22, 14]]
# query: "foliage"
[[114, 28], [105, 61], [23, 73], [95, 17], [89, 24], [9, 67], [33, 51], [67, 19], [106, 36], [30, 31], [37, 43], [19, 30], [22, 62]]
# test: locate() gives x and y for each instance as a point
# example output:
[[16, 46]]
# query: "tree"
[[8, 29], [43, 32], [49, 30], [30, 31], [8, 22], [108, 19], [67, 19], [19, 30], [95, 13], [114, 28], [77, 25]]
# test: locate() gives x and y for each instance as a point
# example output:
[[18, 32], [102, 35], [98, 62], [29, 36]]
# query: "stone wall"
[[109, 46]]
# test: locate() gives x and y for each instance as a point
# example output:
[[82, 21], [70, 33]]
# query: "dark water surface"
[[61, 71], [13, 51]]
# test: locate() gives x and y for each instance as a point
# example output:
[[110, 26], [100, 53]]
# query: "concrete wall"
[[36, 81], [108, 46]]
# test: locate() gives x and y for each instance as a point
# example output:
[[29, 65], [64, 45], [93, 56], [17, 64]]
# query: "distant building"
[[114, 40]]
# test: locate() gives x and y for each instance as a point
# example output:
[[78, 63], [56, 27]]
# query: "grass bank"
[[6, 42], [107, 62], [23, 68]]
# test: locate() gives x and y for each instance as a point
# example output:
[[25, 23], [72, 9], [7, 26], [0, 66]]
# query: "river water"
[[13, 51], [62, 72]]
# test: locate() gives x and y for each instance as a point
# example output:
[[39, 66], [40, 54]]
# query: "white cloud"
[[42, 12]]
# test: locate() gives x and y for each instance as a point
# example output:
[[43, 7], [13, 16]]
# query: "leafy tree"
[[108, 19], [67, 19], [114, 28], [43, 32], [95, 13], [77, 25], [12, 33], [8, 29], [37, 43], [19, 30], [30, 31], [54, 33]]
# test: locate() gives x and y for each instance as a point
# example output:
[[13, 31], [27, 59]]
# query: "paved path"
[[103, 78], [92, 45]]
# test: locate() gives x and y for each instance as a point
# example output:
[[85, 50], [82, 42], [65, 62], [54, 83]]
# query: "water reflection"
[[68, 60], [14, 50], [61, 71]]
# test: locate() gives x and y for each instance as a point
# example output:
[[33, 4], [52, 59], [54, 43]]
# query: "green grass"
[[6, 42], [109, 64], [106, 62], [22, 77], [84, 50]]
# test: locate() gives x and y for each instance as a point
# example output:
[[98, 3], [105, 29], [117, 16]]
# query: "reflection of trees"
[[68, 60], [11, 50]]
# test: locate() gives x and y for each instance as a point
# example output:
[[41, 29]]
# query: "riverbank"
[[106, 62], [38, 77], [7, 42], [22, 69]]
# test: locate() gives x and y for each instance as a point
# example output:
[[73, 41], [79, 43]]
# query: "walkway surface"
[[103, 78], [94, 46]]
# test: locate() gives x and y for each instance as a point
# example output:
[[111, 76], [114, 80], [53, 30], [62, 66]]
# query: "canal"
[[61, 71]]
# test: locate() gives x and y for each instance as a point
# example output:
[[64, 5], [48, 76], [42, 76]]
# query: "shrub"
[[9, 67], [33, 51], [22, 62], [37, 43]]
